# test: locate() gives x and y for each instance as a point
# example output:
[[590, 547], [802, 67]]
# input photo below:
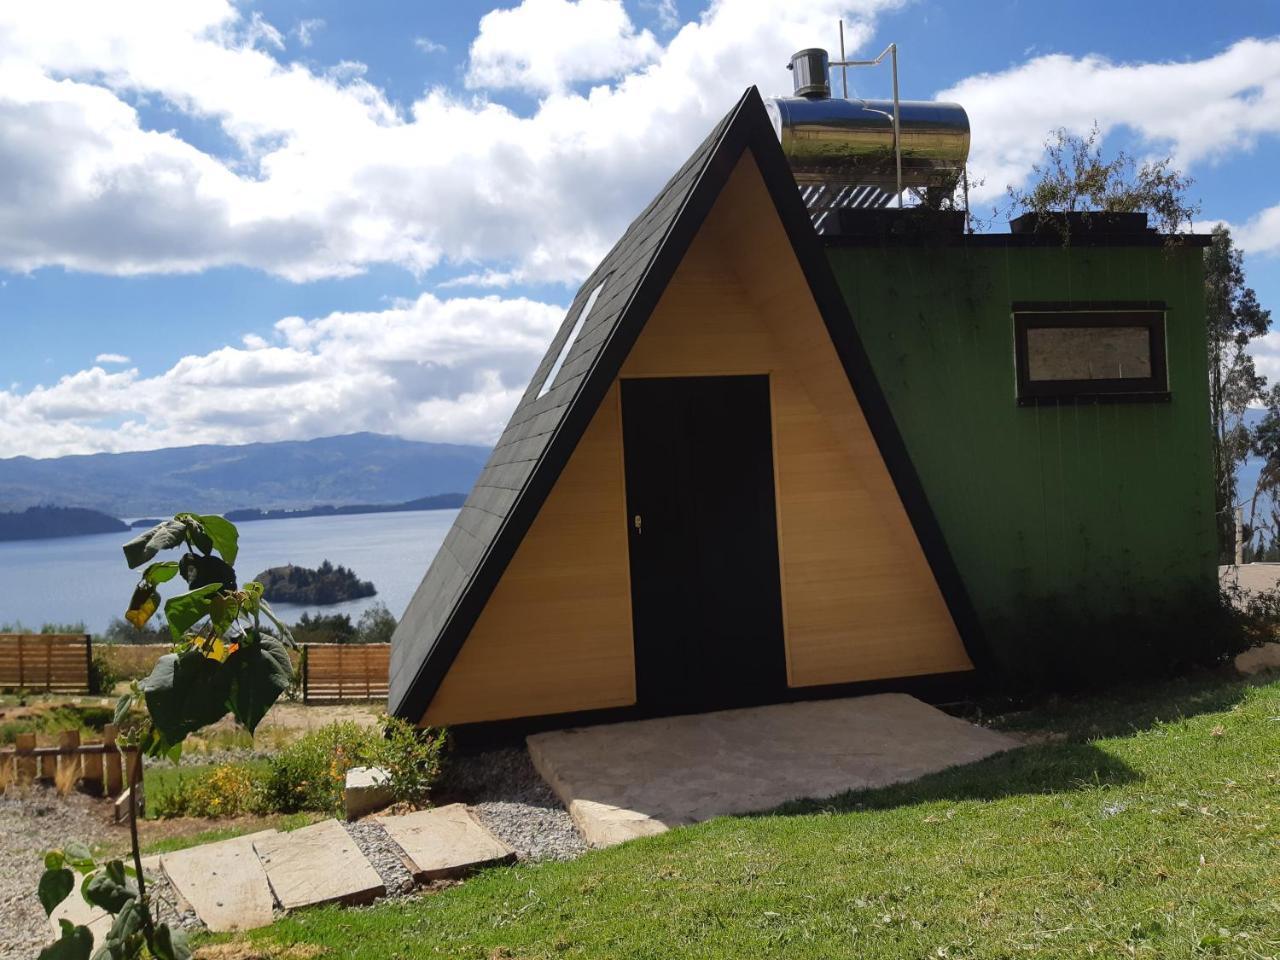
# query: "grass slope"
[[1148, 826]]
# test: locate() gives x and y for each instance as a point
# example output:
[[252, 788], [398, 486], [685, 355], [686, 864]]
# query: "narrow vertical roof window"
[[550, 378]]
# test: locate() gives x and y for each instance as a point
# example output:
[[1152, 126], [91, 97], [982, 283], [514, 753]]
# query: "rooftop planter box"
[[1080, 222]]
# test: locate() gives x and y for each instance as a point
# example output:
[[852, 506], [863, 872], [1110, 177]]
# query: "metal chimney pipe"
[[809, 73]]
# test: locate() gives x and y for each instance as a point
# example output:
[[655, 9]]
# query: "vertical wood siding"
[[859, 599]]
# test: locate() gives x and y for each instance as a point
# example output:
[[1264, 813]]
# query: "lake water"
[[85, 579]]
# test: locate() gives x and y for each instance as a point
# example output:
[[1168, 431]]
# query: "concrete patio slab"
[[626, 780], [318, 864], [445, 842], [224, 882]]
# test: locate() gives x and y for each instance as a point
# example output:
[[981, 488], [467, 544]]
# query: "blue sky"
[[304, 218]]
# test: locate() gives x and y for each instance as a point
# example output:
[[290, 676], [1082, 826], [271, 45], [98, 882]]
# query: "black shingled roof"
[[543, 431]]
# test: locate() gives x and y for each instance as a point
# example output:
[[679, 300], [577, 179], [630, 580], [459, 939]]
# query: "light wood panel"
[[345, 671], [57, 662], [556, 633], [859, 600]]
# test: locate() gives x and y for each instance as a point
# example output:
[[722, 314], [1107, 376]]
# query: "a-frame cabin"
[[701, 500]]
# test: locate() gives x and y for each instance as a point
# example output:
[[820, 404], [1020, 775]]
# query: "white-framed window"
[[549, 380]]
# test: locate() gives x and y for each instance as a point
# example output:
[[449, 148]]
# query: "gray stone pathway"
[[445, 842], [239, 884], [224, 881]]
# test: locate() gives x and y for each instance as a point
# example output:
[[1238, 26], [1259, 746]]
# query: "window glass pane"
[[1088, 353], [550, 378]]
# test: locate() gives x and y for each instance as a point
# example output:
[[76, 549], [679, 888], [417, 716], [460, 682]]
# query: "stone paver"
[[224, 882], [445, 842], [318, 864], [367, 789], [626, 780], [1258, 659]]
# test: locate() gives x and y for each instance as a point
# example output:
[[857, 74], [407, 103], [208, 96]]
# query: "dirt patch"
[[243, 950]]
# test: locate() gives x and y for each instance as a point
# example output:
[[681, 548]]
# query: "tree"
[[223, 660], [376, 625], [325, 628], [1076, 179], [1234, 318]]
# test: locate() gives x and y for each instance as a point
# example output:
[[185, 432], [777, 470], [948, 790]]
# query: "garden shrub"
[[413, 758], [87, 720], [311, 773], [102, 673], [217, 790]]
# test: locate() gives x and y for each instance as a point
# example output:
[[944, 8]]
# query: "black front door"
[[706, 604]]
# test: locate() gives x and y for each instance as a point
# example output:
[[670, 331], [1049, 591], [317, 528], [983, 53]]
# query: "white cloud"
[[666, 12], [1260, 234], [548, 45], [427, 45], [111, 358], [306, 31], [330, 176], [428, 369], [261, 32], [1197, 110]]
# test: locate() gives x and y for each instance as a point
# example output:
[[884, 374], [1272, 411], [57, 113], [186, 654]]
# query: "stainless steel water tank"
[[833, 141]]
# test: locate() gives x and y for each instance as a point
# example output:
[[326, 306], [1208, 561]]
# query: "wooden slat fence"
[[98, 767], [56, 662], [334, 672]]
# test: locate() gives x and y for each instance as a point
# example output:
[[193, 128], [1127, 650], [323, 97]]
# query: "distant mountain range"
[[359, 468]]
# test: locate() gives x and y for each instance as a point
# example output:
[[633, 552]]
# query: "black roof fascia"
[[983, 241]]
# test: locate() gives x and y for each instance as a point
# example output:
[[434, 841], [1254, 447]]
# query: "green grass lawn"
[[283, 822], [1149, 826]]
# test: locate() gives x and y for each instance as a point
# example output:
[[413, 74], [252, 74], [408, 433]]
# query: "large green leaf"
[[260, 672], [78, 854], [171, 944], [223, 533], [76, 943], [124, 941], [285, 633], [110, 889], [187, 609], [163, 536], [185, 692], [54, 887], [196, 531], [159, 572]]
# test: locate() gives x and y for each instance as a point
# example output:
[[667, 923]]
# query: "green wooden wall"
[[1094, 509]]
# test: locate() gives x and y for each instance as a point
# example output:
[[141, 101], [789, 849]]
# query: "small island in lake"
[[302, 585], [44, 523]]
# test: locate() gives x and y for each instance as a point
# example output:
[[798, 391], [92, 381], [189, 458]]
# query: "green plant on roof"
[[224, 660]]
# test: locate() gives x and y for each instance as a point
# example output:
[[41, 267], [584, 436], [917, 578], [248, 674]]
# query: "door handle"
[[638, 523]]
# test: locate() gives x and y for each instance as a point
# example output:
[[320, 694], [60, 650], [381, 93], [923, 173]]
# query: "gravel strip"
[[385, 855], [34, 820], [168, 905], [509, 797]]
